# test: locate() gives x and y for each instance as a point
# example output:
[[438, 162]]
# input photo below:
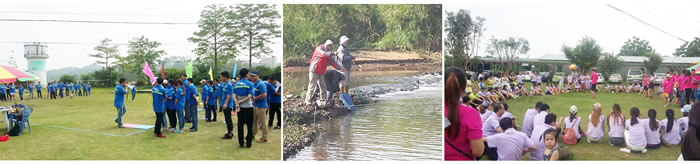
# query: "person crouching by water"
[[321, 58]]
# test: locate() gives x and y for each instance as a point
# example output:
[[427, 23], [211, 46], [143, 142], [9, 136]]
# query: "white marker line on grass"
[[89, 131]]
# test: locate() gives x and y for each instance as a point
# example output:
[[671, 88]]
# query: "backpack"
[[570, 135]]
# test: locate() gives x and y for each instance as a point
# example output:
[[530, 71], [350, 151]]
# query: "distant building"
[[269, 61]]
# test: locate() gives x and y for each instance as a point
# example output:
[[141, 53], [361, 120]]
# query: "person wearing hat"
[[574, 121], [346, 61], [321, 58], [685, 119], [260, 105]]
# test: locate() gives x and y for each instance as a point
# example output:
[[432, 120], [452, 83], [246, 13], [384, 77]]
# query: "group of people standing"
[[328, 83], [55, 89], [248, 97], [475, 128]]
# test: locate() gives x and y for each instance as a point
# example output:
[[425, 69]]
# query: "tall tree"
[[105, 51], [215, 41], [652, 62], [477, 31], [508, 49], [142, 50], [636, 47], [67, 78], [585, 54], [609, 64], [689, 49], [258, 26], [458, 29]]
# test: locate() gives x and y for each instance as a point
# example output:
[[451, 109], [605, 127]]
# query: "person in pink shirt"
[[463, 135], [594, 82], [694, 85], [668, 90], [686, 82], [645, 83]]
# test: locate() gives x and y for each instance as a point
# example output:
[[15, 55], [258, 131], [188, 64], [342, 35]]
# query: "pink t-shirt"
[[695, 83], [646, 81], [470, 129], [594, 78], [668, 86], [686, 82], [679, 80]]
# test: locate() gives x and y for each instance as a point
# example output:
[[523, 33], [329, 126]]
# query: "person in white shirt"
[[651, 130], [635, 138], [670, 129], [574, 122], [595, 125], [684, 121], [616, 126]]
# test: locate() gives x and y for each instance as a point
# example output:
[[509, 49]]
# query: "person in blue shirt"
[[227, 103], [274, 92], [260, 105], [12, 92], [159, 98], [38, 91], [89, 88], [60, 89], [243, 98], [49, 88], [192, 103], [205, 93], [133, 92], [185, 83], [69, 89], [76, 89], [180, 105], [21, 93], [119, 94], [31, 90], [2, 93], [211, 99], [217, 89], [170, 105], [84, 86]]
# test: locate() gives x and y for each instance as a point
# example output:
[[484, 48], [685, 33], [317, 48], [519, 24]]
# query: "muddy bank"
[[302, 123]]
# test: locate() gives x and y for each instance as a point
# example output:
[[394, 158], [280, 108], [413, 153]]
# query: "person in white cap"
[[346, 61], [574, 122], [684, 120], [321, 58]]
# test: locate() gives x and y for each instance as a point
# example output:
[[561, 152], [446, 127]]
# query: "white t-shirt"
[[568, 123], [684, 123], [507, 114], [653, 137], [617, 129], [637, 137], [596, 131], [674, 136]]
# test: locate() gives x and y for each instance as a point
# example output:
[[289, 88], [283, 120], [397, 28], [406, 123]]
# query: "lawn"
[[83, 128], [585, 151]]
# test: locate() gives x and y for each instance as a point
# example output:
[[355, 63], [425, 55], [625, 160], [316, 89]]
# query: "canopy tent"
[[10, 75], [695, 67], [34, 77], [573, 66]]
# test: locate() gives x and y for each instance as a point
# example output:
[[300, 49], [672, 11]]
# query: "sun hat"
[[573, 109]]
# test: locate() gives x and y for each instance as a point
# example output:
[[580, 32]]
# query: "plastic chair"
[[25, 119]]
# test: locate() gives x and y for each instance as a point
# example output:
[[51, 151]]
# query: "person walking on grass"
[[30, 87], [21, 93], [275, 95], [227, 103], [243, 98], [159, 98], [205, 94], [594, 82], [192, 103], [38, 90], [133, 91], [320, 59], [119, 94], [260, 105]]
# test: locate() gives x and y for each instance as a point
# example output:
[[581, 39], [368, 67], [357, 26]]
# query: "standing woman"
[[616, 127], [690, 144], [687, 81], [595, 125], [463, 137]]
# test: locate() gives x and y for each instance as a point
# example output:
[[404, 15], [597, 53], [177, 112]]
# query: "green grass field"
[[583, 150], [83, 128]]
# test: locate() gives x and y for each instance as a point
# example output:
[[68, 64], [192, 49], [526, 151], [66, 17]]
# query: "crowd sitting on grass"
[[11, 91], [479, 126]]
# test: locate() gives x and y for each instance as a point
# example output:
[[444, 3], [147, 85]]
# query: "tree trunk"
[[215, 53], [250, 48]]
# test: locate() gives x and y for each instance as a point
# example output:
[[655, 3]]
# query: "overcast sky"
[[549, 25], [88, 35]]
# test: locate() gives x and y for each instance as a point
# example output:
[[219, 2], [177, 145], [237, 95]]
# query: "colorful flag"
[[188, 69], [211, 77], [147, 70], [162, 74], [235, 67]]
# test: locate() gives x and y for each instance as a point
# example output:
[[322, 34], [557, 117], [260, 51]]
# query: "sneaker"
[[249, 145], [261, 140], [241, 145], [120, 126], [214, 120], [193, 130], [626, 150], [644, 151], [227, 136], [171, 130], [160, 136], [178, 131], [277, 127]]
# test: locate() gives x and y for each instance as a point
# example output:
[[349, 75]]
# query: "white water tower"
[[36, 54]]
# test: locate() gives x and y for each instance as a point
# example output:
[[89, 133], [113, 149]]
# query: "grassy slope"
[[96, 113], [585, 151]]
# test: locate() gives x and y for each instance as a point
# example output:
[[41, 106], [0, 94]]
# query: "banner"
[[162, 74], [188, 69], [235, 67], [147, 70], [211, 77]]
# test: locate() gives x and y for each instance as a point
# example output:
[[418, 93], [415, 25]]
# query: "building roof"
[[629, 59]]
